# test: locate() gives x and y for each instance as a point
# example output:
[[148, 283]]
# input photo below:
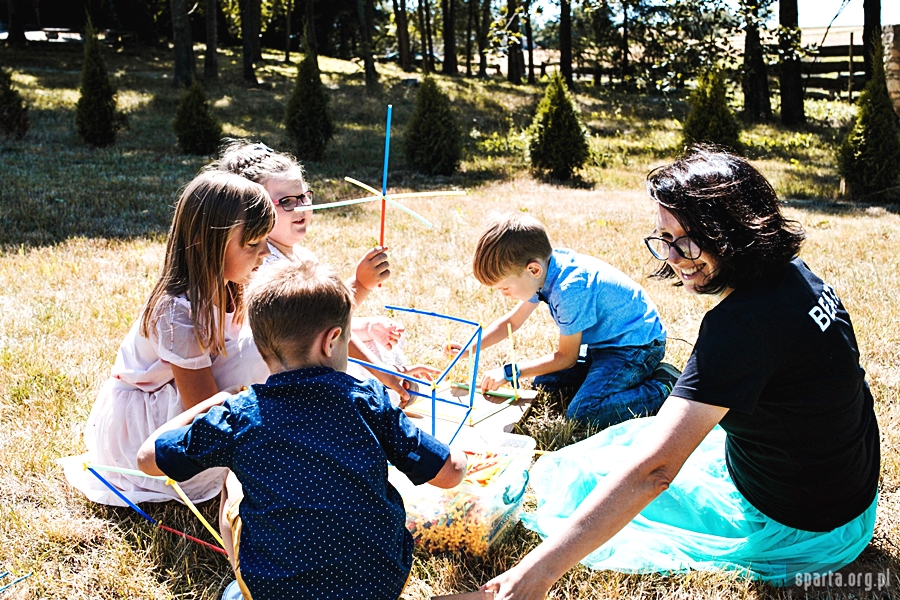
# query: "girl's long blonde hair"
[[211, 208]]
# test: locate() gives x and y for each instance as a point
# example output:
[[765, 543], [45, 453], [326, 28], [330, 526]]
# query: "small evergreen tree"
[[306, 118], [95, 114], [711, 120], [196, 129], [556, 139], [13, 112], [869, 157], [433, 139]]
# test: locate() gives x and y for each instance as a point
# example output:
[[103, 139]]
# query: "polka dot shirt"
[[311, 448]]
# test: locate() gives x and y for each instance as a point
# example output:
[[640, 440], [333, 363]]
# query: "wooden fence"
[[831, 71]]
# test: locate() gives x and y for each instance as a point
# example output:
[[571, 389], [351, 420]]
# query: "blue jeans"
[[613, 384]]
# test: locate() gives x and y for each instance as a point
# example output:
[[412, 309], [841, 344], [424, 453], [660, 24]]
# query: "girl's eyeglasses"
[[291, 203], [684, 246]]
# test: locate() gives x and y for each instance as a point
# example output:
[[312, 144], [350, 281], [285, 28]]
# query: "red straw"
[[193, 539]]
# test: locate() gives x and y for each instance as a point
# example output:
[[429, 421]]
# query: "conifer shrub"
[[306, 120], [557, 143], [710, 119], [432, 142], [13, 111], [95, 114], [196, 129], [869, 157]]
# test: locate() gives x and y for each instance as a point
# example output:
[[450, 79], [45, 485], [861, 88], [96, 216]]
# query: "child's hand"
[[493, 380], [384, 332], [373, 269], [418, 371], [451, 349]]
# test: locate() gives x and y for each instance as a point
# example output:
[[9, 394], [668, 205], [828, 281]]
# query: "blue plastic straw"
[[121, 496], [9, 585]]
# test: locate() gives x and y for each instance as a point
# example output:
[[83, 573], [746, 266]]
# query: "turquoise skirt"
[[701, 522]]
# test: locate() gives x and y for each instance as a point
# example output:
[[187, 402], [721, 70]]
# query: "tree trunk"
[[484, 27], [248, 49], [515, 63], [256, 13], [624, 67], [755, 80], [791, 76], [565, 42], [529, 41], [288, 9], [16, 36], [185, 70], [402, 35], [448, 11], [428, 55], [471, 28], [366, 46], [211, 60], [309, 29], [871, 29]]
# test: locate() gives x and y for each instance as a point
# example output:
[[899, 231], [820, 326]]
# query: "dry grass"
[[86, 263]]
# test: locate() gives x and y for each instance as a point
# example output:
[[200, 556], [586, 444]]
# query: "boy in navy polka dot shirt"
[[307, 510]]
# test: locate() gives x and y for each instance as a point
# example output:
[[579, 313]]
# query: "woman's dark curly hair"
[[731, 211]]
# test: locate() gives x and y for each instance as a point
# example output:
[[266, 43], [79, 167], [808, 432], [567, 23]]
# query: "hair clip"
[[263, 147]]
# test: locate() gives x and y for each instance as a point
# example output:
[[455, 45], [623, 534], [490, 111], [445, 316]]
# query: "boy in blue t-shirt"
[[593, 304], [307, 510]]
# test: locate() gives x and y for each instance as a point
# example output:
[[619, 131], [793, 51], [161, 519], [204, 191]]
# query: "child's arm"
[[372, 270], [358, 350], [564, 357], [146, 457], [194, 385], [453, 471]]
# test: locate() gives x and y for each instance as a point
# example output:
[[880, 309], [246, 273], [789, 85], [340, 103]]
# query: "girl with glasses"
[[374, 339]]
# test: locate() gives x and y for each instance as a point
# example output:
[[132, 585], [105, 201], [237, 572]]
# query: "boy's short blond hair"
[[290, 303], [509, 243]]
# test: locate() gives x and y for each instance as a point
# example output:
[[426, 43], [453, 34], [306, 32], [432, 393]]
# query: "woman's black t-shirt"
[[803, 443]]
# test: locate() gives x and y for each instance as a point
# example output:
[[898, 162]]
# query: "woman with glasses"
[[770, 429]]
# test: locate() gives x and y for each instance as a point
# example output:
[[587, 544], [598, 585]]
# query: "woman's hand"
[[373, 269], [519, 583]]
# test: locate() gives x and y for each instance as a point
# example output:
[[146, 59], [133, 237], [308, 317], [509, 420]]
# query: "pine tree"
[[556, 139], [306, 116], [433, 139], [869, 157], [95, 114], [13, 111], [196, 129], [711, 120]]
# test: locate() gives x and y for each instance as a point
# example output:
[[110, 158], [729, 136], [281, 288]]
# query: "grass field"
[[81, 243]]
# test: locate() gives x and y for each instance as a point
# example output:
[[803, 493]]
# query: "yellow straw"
[[194, 510]]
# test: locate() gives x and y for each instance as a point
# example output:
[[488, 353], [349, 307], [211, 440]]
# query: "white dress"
[[141, 395]]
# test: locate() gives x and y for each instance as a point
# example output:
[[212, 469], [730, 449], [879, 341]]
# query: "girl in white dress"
[[377, 340], [181, 351]]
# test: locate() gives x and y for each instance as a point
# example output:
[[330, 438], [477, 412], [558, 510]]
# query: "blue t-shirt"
[[311, 450], [588, 295]]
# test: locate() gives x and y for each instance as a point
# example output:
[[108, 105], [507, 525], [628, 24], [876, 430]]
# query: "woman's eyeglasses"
[[291, 203], [684, 246]]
